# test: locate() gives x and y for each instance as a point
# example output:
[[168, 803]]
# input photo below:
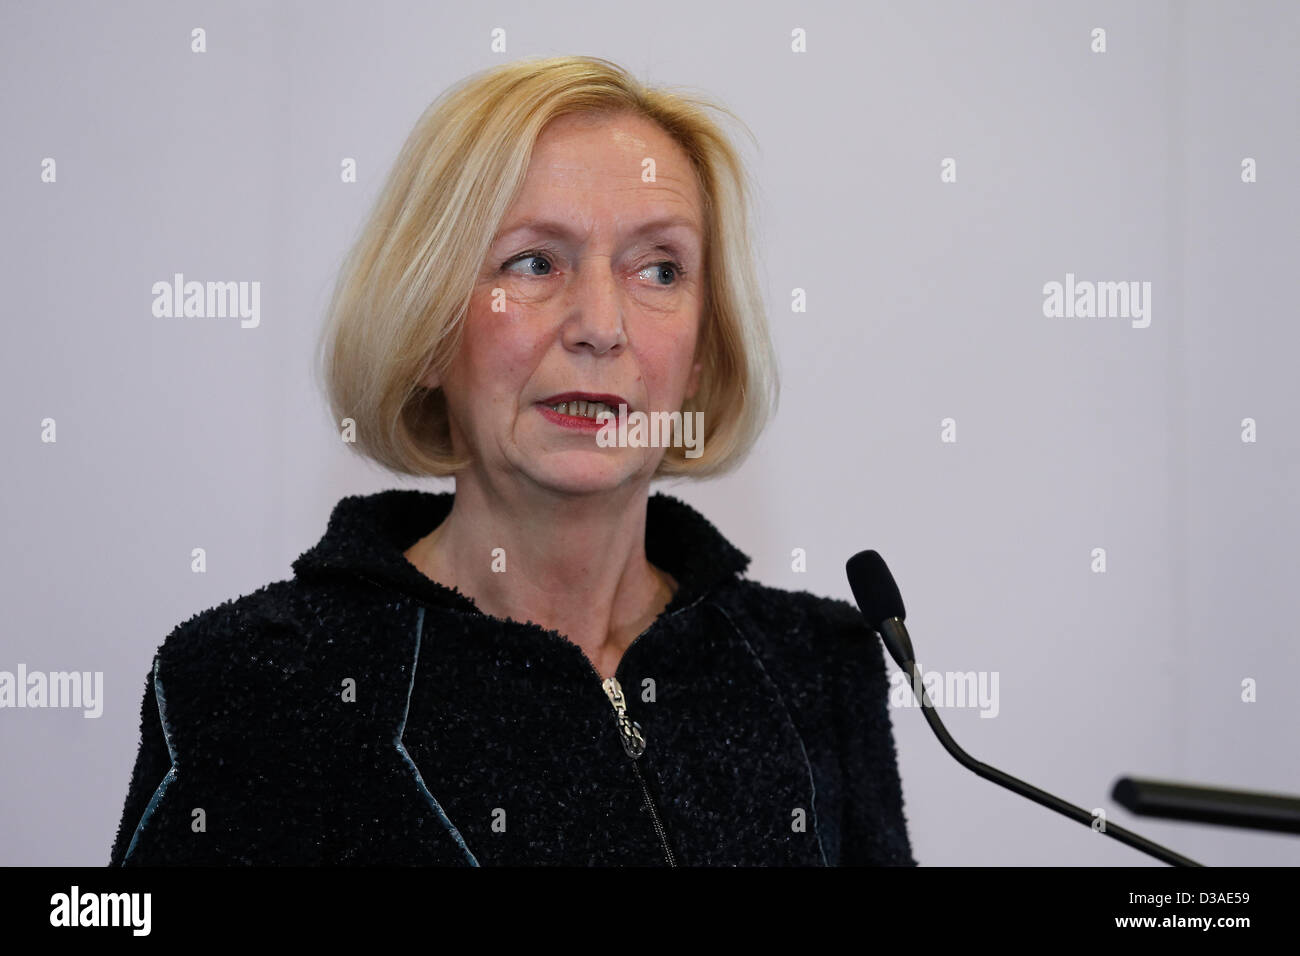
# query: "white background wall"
[[924, 302]]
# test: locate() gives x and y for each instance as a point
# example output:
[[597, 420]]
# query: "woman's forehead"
[[573, 178]]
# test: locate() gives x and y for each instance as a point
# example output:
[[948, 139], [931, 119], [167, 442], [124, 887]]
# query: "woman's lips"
[[576, 422], [613, 401]]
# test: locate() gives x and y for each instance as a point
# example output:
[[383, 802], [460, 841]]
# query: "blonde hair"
[[402, 293]]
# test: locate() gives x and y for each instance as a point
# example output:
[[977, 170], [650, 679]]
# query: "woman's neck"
[[571, 563]]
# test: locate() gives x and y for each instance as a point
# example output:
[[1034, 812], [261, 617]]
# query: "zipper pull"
[[629, 730]]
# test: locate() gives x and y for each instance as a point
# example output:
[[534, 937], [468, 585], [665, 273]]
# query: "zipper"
[[629, 732]]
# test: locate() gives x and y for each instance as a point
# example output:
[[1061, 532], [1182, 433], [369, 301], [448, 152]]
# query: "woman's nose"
[[595, 307]]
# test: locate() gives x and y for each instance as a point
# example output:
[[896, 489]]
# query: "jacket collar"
[[367, 536]]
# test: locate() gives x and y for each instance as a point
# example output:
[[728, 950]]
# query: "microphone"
[[882, 606]]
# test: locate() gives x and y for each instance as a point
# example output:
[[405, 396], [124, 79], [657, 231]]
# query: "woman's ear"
[[431, 379]]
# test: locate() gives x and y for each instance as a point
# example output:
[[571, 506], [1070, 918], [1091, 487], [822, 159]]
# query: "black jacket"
[[471, 740]]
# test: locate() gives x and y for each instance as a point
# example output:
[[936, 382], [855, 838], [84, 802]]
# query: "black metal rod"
[[1234, 808]]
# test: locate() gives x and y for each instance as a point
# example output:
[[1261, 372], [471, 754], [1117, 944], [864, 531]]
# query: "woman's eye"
[[531, 260], [537, 264], [658, 270]]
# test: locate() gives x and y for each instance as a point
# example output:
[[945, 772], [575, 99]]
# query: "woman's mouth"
[[569, 411]]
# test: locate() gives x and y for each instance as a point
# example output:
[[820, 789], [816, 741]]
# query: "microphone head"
[[874, 588], [880, 603]]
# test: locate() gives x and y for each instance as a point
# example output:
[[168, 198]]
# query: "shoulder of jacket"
[[821, 645], [800, 620], [815, 648], [251, 623], [280, 656], [281, 618]]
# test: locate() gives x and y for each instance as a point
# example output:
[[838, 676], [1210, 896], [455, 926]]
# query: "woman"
[[549, 666]]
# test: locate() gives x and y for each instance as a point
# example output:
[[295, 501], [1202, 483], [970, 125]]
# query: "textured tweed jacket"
[[361, 713]]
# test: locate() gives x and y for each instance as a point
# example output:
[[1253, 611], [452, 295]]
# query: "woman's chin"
[[588, 473]]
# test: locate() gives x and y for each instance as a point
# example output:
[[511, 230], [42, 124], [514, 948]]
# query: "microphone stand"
[[881, 605], [1134, 840]]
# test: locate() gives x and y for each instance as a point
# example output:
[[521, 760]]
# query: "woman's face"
[[593, 285]]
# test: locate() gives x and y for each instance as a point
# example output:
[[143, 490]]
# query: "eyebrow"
[[559, 230]]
